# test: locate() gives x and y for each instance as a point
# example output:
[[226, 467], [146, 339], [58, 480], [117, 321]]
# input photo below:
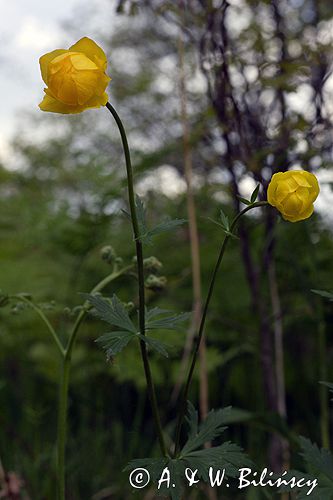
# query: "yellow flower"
[[75, 78], [293, 194]]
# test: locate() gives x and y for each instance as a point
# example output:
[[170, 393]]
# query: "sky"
[[28, 29]]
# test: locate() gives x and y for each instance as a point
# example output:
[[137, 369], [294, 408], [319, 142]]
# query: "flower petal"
[[292, 205], [54, 106], [312, 179], [300, 178], [272, 188], [46, 59], [91, 50], [97, 101], [302, 216]]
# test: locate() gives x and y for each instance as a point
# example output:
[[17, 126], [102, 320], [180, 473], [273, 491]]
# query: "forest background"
[[216, 97]]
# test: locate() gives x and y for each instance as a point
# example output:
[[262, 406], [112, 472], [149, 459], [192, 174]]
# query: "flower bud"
[[152, 264], [293, 194], [108, 254], [156, 283]]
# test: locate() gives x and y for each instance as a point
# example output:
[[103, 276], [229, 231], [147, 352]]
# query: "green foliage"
[[155, 344], [254, 195], [212, 427], [225, 220], [114, 313], [323, 293], [318, 462], [244, 200], [318, 466], [146, 235], [114, 342], [227, 456], [111, 311], [165, 322]]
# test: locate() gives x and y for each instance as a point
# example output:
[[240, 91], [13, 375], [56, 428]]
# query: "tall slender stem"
[[48, 325], [139, 255], [65, 375], [324, 408], [62, 427], [203, 319]]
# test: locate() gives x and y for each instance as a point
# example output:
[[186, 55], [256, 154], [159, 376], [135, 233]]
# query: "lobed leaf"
[[114, 342], [113, 312], [155, 344], [212, 427], [167, 323]]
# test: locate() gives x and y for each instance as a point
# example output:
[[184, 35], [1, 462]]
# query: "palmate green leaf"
[[212, 427], [154, 344], [225, 220], [113, 312], [155, 311], [114, 342], [228, 456], [167, 225], [318, 461], [166, 322], [146, 234], [319, 466], [323, 293], [323, 491]]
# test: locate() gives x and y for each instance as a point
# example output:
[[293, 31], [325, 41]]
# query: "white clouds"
[[29, 28], [34, 34]]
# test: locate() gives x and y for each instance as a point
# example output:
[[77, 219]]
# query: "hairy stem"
[[139, 255], [203, 320]]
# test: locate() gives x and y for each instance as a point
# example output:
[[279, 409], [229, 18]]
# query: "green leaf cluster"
[[113, 312], [318, 465], [193, 455], [253, 197], [146, 234]]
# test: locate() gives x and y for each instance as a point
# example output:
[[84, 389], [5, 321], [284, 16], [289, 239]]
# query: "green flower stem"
[[139, 254], [63, 396], [99, 287], [203, 319], [324, 408], [40, 313], [62, 427]]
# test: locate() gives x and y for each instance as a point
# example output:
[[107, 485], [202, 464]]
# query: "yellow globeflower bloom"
[[75, 78], [293, 194]]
